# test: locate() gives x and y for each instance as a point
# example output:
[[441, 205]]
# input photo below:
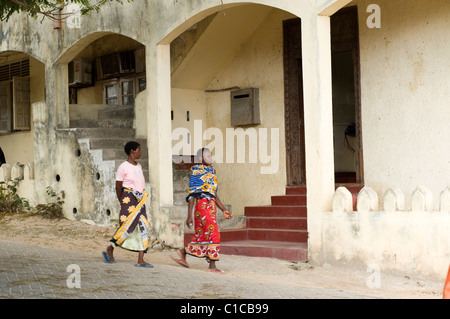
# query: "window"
[[5, 106], [21, 103], [123, 91], [111, 93], [15, 109], [127, 92]]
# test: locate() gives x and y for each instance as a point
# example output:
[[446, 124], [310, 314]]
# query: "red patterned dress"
[[205, 242]]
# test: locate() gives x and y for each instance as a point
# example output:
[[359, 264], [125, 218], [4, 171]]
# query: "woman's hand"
[[189, 221], [227, 214]]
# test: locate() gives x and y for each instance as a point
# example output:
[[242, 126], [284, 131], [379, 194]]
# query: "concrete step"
[[237, 242], [293, 223], [116, 112], [181, 181], [280, 235], [179, 198], [102, 132], [114, 154], [275, 211], [283, 200], [293, 190], [113, 142], [107, 123], [272, 249], [285, 235]]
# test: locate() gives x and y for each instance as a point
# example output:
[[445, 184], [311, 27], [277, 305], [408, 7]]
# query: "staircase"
[[278, 230], [110, 133]]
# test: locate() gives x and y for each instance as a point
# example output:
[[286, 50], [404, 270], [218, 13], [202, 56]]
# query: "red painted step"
[[295, 190], [296, 200], [225, 235], [275, 211], [296, 236], [277, 222], [272, 249], [278, 230]]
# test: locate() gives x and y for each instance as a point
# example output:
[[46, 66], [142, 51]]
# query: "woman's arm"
[[189, 216], [226, 212], [119, 189]]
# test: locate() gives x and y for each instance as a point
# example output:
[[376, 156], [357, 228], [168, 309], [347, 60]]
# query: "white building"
[[355, 94]]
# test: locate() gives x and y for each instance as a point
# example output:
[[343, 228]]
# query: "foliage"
[[10, 201], [47, 8], [53, 209]]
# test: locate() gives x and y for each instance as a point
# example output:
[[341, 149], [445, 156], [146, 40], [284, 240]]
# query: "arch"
[[183, 22], [10, 52], [77, 47]]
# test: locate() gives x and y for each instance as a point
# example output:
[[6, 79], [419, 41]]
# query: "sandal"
[[216, 270], [182, 262], [108, 259], [144, 265]]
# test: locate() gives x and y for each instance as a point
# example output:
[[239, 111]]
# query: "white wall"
[[412, 242], [405, 95], [259, 64]]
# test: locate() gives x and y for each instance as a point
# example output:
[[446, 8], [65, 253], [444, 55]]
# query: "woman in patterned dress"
[[132, 233], [205, 242]]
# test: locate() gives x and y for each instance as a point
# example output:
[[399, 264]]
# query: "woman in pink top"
[[132, 233]]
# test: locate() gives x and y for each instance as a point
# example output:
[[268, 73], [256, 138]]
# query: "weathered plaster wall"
[[183, 101], [155, 24], [258, 63], [405, 95], [19, 146]]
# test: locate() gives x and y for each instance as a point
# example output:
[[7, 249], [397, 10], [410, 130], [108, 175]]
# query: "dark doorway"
[[346, 99], [348, 160], [293, 96]]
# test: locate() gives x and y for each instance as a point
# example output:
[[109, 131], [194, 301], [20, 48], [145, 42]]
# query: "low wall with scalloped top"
[[25, 174], [414, 242]]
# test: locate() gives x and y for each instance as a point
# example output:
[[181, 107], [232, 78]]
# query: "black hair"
[[131, 146], [2, 157]]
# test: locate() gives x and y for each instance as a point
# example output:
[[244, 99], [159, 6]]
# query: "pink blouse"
[[131, 176]]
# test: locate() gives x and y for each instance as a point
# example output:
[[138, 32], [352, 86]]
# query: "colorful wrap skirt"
[[206, 239], [132, 233]]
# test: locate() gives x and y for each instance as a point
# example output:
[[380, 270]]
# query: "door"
[[293, 96]]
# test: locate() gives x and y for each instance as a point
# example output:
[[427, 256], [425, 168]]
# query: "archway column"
[[316, 52], [61, 91], [159, 124]]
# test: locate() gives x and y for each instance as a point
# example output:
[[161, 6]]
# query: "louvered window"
[[20, 68], [15, 110]]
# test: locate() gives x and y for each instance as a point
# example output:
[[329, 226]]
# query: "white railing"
[[410, 238], [393, 200]]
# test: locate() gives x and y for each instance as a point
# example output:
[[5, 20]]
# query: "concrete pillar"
[[62, 95], [159, 124], [319, 152]]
